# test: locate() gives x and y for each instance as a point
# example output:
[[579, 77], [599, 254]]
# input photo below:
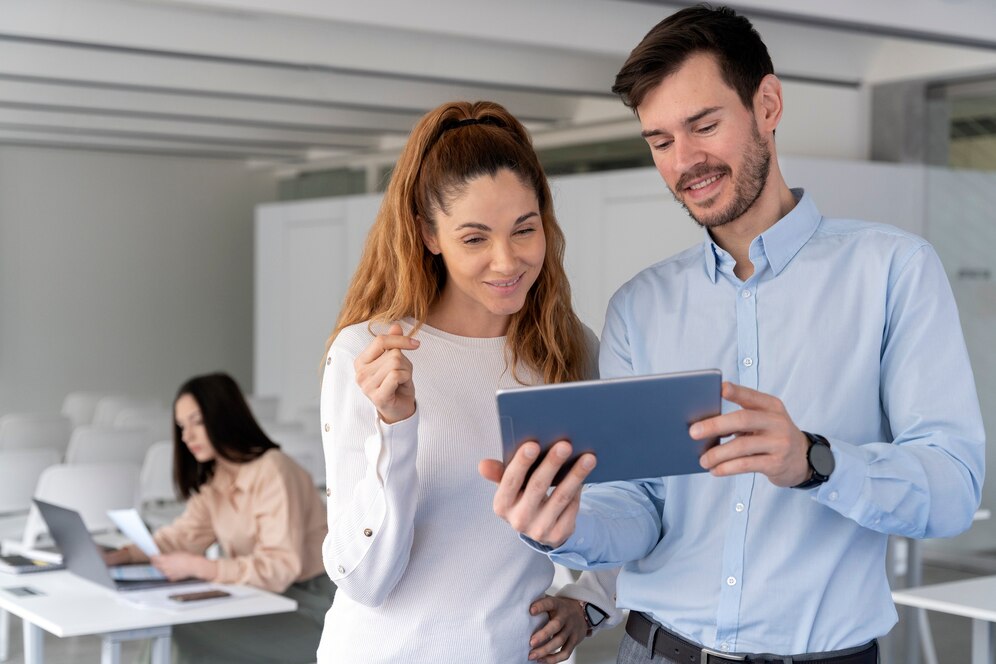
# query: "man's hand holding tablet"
[[636, 427]]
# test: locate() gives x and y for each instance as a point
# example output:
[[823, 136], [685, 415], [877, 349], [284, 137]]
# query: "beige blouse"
[[267, 517]]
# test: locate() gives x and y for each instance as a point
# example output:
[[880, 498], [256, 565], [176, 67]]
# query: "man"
[[850, 411]]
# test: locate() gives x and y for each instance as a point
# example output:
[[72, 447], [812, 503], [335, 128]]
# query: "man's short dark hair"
[[742, 56]]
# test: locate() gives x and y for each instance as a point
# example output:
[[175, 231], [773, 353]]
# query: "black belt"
[[670, 645]]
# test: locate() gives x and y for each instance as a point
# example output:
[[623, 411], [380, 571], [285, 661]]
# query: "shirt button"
[[367, 532], [744, 294], [327, 427], [730, 581], [833, 495], [725, 647], [748, 362], [740, 507], [341, 569]]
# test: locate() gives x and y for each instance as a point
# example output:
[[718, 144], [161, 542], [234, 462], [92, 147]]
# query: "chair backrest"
[[96, 444], [306, 449], [90, 489], [79, 407], [19, 473], [310, 418], [156, 479], [156, 420], [263, 407], [32, 431], [108, 408]]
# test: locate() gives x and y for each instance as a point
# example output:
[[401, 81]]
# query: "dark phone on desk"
[[205, 594]]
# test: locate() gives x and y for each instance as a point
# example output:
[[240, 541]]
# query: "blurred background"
[[185, 186]]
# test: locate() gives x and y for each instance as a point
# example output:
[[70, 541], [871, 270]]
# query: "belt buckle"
[[708, 654]]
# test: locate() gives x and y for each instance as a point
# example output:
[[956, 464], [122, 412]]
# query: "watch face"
[[595, 614], [821, 458]]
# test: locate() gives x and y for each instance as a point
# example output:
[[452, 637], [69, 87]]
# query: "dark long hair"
[[742, 56], [234, 433]]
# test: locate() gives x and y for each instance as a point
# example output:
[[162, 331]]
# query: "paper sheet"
[[130, 523]]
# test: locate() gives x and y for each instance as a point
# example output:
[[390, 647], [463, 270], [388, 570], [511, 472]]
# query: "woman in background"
[[264, 512], [461, 291]]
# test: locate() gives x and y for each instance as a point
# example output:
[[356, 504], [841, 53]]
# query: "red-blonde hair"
[[399, 277]]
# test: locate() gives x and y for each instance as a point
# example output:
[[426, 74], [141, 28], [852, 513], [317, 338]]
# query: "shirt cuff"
[[842, 490], [569, 553]]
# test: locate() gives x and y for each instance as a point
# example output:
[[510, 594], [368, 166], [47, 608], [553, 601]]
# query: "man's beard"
[[747, 188]]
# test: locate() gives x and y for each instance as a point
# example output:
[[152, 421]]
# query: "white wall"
[[122, 272], [616, 223]]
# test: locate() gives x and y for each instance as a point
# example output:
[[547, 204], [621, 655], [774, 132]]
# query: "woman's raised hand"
[[385, 375]]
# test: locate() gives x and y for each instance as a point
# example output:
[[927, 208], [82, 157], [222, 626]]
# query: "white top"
[[425, 570]]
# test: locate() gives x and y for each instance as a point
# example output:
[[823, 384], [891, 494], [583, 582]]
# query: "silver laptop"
[[82, 557]]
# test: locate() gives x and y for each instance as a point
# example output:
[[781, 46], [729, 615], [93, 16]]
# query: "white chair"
[[90, 489], [80, 406], [108, 408], [19, 473], [156, 420], [157, 494], [310, 418], [31, 431], [306, 449], [96, 444], [263, 407]]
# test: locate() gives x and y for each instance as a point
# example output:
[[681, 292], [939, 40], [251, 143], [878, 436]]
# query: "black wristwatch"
[[820, 459], [593, 616]]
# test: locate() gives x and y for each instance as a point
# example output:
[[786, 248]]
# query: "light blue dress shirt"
[[854, 327]]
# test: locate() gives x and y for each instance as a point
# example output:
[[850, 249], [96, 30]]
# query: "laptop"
[[82, 557]]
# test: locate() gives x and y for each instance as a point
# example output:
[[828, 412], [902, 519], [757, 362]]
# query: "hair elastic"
[[488, 120]]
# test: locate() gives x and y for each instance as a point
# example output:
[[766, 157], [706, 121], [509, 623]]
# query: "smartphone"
[[204, 594]]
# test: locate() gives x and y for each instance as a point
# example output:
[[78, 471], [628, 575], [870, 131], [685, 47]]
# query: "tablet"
[[637, 427]]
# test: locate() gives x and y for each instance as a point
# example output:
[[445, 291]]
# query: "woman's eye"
[[473, 240], [525, 231]]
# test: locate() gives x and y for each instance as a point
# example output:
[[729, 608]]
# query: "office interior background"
[[185, 185]]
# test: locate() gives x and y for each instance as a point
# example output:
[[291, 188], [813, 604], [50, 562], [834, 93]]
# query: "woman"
[[264, 512], [461, 291]]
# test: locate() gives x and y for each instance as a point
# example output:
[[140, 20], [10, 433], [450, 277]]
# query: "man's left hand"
[[765, 439]]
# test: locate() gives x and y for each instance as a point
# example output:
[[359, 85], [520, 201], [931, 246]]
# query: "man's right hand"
[[529, 507]]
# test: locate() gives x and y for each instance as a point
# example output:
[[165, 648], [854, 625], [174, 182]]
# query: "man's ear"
[[768, 104], [428, 236]]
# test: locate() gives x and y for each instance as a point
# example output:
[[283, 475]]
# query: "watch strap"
[[815, 478]]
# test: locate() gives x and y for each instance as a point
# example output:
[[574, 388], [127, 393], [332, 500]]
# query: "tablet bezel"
[[620, 420]]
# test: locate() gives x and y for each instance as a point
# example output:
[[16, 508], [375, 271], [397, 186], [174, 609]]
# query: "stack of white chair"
[[19, 473], [108, 408], [263, 407], [156, 420], [158, 500], [29, 431], [91, 490], [98, 444], [79, 407], [310, 418], [306, 449]]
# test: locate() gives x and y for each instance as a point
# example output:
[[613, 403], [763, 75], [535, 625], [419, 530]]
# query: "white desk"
[[971, 598], [71, 606]]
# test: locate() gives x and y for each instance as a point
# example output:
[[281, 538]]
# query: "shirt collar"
[[782, 241], [227, 478]]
